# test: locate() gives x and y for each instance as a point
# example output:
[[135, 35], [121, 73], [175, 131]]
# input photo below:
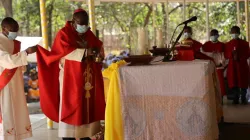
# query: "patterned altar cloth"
[[169, 101]]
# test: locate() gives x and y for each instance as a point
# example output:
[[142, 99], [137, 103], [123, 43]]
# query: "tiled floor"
[[40, 131], [236, 113], [232, 113]]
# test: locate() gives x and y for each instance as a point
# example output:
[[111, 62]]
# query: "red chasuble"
[[217, 47], [81, 104], [238, 70], [195, 46], [213, 47]]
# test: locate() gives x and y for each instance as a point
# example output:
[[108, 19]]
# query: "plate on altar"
[[139, 59]]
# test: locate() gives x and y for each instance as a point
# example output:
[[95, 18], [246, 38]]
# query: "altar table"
[[177, 100]]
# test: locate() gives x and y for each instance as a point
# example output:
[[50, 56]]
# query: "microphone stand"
[[178, 38], [171, 49], [168, 56], [173, 34]]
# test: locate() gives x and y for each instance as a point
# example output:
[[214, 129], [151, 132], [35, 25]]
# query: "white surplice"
[[13, 107], [66, 130]]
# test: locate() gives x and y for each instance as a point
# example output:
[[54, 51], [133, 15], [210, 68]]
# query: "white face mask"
[[235, 36], [187, 35], [214, 38], [81, 28], [12, 35]]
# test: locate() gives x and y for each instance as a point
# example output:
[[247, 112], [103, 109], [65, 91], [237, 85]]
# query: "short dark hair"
[[214, 31], [188, 28], [82, 14], [9, 21], [236, 28]]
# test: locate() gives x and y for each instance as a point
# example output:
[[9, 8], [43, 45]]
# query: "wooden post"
[[207, 19], [238, 12], [184, 10], [167, 16], [247, 19]]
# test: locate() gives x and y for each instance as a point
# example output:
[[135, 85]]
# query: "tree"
[[122, 19], [7, 4]]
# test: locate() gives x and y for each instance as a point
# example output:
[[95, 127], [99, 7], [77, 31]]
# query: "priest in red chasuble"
[[70, 80], [237, 52], [195, 45]]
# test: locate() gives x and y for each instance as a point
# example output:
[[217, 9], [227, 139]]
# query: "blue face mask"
[[235, 36], [81, 28], [214, 38], [12, 35], [187, 35]]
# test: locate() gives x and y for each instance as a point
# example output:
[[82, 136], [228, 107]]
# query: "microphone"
[[194, 18]]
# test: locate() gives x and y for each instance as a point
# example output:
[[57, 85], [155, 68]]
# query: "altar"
[[177, 100]]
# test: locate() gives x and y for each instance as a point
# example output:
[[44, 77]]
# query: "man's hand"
[[31, 50], [90, 52]]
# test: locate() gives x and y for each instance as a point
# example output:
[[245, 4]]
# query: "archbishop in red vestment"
[[82, 90]]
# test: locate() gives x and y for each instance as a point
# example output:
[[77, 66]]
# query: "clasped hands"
[[93, 53], [235, 55]]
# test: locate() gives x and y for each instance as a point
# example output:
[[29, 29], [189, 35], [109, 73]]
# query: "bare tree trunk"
[[150, 10], [27, 25], [163, 5], [7, 4], [79, 4], [50, 15], [39, 21]]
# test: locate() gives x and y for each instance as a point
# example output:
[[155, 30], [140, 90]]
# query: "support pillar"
[[247, 19], [45, 40], [238, 12], [207, 19], [91, 5]]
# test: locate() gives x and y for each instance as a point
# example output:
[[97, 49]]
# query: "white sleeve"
[[11, 61], [76, 55]]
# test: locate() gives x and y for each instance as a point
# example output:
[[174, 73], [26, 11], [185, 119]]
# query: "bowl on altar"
[[139, 59], [159, 51]]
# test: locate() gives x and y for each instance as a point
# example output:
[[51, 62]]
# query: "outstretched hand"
[[31, 50]]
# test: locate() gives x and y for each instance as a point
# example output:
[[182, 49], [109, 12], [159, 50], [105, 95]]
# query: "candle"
[[141, 41]]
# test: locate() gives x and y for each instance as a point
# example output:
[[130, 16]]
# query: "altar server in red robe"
[[215, 49], [237, 52], [70, 80]]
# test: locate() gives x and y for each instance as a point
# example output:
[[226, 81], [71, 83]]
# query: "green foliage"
[[122, 19]]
